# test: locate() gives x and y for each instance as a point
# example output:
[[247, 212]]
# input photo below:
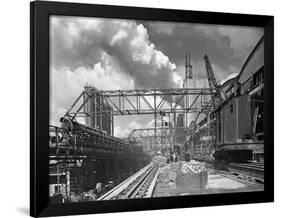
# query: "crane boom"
[[210, 74], [213, 84]]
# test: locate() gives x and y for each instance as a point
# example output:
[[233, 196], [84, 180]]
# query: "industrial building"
[[234, 130], [99, 112], [180, 131], [226, 126]]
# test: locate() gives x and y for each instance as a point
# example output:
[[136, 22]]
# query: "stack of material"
[[193, 167], [192, 175], [174, 169], [164, 174]]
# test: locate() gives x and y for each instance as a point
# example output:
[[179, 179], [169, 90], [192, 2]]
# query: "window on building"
[[231, 108], [258, 77], [57, 188]]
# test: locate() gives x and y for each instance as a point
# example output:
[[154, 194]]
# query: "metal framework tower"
[[210, 74], [157, 102], [188, 76], [188, 67], [213, 84]]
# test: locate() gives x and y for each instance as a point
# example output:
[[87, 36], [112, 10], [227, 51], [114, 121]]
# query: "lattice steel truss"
[[142, 101], [156, 102], [72, 148], [148, 132], [161, 136]]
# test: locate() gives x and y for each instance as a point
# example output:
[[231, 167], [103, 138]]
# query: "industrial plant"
[[201, 140]]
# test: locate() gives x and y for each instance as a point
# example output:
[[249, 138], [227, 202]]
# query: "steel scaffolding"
[[142, 101]]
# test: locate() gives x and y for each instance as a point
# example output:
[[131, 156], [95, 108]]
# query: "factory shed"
[[240, 116]]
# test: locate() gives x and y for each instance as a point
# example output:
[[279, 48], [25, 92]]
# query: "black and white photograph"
[[119, 108], [150, 109]]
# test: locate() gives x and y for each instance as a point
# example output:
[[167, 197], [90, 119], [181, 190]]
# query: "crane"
[[210, 74], [213, 84]]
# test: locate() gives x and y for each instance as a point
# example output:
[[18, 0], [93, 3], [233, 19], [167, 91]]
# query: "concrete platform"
[[216, 183]]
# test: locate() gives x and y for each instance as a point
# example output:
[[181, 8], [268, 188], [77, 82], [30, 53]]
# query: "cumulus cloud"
[[242, 39], [126, 54], [124, 132], [110, 54], [163, 27], [226, 45], [82, 42], [67, 84]]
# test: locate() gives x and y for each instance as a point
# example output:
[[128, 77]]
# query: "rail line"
[[253, 170], [250, 174], [242, 179], [140, 185]]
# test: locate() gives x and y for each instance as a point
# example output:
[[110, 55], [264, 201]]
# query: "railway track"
[[255, 170], [250, 173], [251, 166], [242, 179], [140, 185], [252, 169]]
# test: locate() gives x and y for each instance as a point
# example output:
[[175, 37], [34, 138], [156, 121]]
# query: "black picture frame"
[[39, 107]]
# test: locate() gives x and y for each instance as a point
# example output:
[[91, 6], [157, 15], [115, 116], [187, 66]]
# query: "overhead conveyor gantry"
[[142, 101]]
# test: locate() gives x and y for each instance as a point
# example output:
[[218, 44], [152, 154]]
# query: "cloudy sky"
[[128, 54]]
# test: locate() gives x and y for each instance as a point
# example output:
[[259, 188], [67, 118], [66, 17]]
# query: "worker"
[[175, 158], [171, 157]]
